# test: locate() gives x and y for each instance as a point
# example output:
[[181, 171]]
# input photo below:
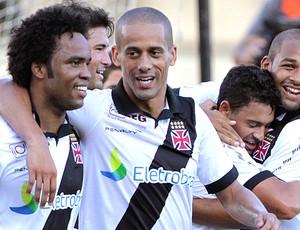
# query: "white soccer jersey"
[[251, 173], [284, 162], [139, 171], [202, 91], [17, 210]]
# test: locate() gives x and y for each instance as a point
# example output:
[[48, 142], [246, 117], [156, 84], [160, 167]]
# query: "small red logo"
[[261, 151], [181, 139], [76, 153]]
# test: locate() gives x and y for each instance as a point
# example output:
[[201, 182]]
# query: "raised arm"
[[15, 108]]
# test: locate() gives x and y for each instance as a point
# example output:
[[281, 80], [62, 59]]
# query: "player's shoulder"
[[292, 126]]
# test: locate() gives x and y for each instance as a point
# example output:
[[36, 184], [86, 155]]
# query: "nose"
[[259, 133], [296, 76], [106, 60], [85, 73], [144, 63]]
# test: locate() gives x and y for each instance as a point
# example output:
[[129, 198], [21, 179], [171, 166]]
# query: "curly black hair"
[[246, 83], [35, 39]]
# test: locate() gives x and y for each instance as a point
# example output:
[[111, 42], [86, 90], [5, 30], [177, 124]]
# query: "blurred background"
[[227, 21]]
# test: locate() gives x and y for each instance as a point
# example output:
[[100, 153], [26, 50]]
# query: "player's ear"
[[115, 55], [225, 108], [265, 63], [38, 70], [173, 56]]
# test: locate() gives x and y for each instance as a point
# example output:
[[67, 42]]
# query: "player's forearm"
[[283, 201], [210, 212], [293, 201], [241, 204]]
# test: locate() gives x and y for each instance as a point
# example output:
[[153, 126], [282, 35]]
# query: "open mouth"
[[291, 90], [250, 145], [81, 88], [145, 80]]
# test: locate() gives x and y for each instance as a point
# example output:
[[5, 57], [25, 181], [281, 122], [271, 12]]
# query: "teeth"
[[98, 71], [251, 142], [81, 88], [293, 90], [146, 79]]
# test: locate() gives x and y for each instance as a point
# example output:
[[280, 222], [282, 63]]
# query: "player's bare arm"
[[210, 212], [41, 168], [236, 199]]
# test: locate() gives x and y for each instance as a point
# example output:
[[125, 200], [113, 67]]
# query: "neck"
[[51, 117], [153, 107], [50, 122]]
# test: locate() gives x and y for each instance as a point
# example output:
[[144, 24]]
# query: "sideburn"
[[49, 70]]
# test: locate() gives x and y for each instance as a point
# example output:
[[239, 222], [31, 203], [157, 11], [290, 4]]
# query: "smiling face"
[[252, 121], [68, 75], [285, 70], [144, 57], [99, 43]]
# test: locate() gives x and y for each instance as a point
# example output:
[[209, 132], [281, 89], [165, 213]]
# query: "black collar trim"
[[125, 106]]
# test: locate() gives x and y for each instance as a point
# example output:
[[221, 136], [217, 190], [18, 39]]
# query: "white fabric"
[[284, 162], [104, 131], [202, 91], [16, 212], [247, 168]]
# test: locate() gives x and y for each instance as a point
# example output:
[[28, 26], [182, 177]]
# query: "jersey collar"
[[125, 106], [65, 129]]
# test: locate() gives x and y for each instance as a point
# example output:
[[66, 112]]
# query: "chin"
[[76, 106]]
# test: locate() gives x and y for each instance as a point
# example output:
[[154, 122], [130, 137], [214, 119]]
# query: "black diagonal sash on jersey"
[[71, 182], [149, 199], [263, 149]]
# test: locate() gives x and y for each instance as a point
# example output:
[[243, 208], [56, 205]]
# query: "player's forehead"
[[98, 36], [290, 50], [71, 45], [255, 111]]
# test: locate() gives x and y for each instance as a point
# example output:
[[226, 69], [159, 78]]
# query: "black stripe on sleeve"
[[223, 182], [255, 180]]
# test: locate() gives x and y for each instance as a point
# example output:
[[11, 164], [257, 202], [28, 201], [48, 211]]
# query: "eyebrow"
[[77, 58], [288, 60], [102, 44]]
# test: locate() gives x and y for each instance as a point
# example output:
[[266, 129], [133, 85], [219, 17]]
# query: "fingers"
[[229, 136], [34, 179], [30, 182], [45, 188], [224, 128], [229, 140], [52, 190], [45, 191], [268, 222], [42, 173], [45, 185], [38, 188]]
